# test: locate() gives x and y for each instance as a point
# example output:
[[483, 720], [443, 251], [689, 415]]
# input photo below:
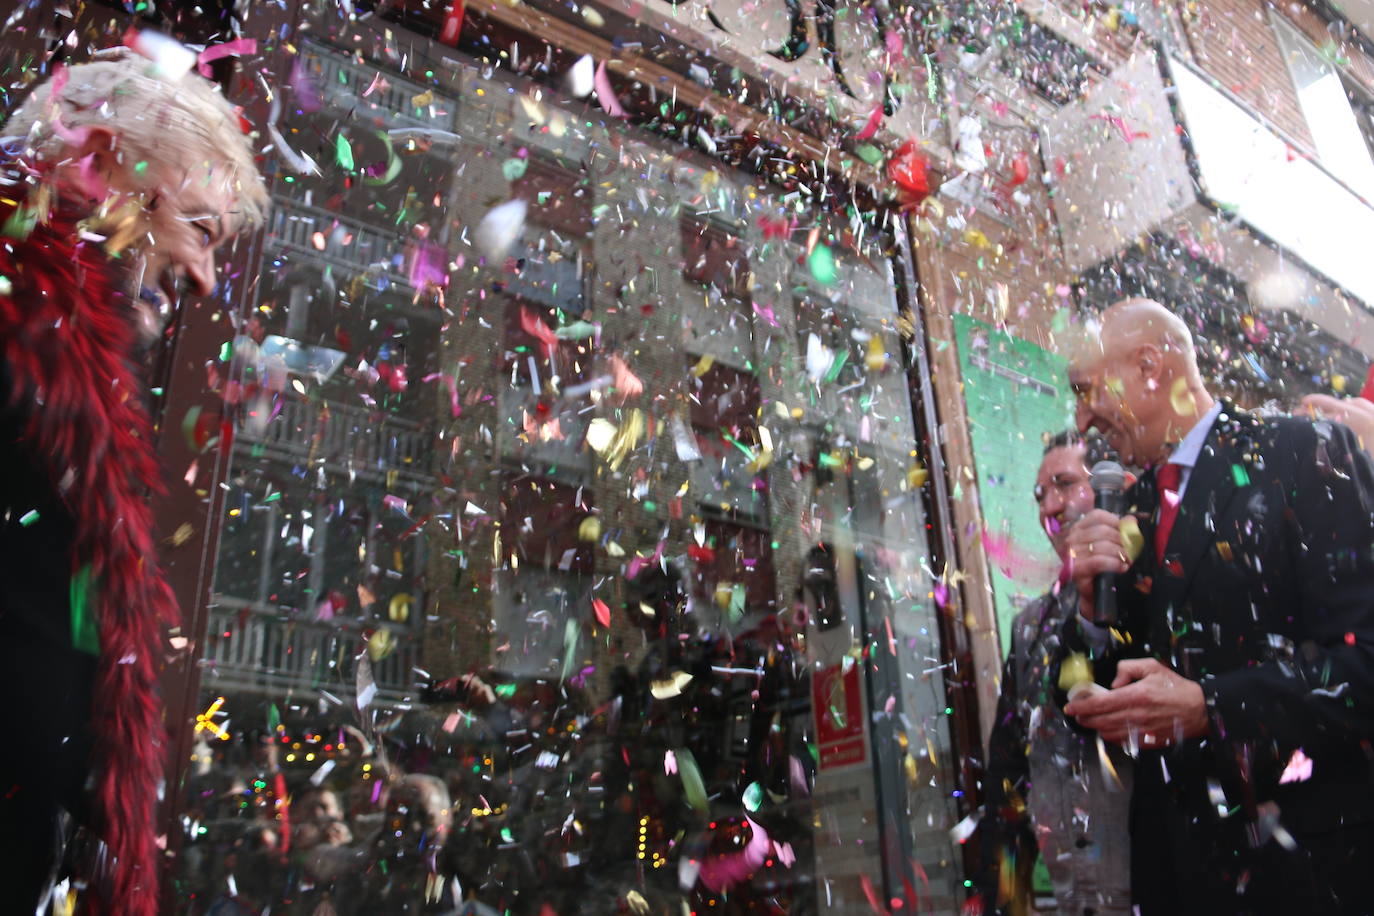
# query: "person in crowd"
[[1047, 788], [1357, 413], [1244, 570], [118, 186]]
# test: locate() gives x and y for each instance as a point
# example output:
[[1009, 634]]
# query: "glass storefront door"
[[573, 556]]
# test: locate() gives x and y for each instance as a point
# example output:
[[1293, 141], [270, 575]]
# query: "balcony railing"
[[256, 648], [347, 243], [349, 86], [567, 452], [351, 436]]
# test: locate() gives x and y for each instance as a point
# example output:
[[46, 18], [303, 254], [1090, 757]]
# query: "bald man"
[[1247, 618]]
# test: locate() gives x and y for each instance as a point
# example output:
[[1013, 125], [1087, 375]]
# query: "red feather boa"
[[66, 335]]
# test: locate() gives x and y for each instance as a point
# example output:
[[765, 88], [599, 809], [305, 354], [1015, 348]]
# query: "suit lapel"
[[1214, 482]]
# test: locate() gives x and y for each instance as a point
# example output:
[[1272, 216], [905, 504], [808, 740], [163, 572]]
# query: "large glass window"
[[1335, 122], [573, 558]]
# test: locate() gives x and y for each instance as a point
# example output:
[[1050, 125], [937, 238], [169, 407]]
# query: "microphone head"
[[1108, 475]]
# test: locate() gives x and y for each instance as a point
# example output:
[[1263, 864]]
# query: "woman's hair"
[[170, 124]]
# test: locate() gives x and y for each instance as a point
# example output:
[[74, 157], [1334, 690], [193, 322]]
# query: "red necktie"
[[1167, 479]]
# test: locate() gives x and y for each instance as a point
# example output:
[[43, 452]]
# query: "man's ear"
[[97, 159], [1149, 361]]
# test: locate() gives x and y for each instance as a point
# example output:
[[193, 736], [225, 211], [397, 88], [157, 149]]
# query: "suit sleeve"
[[1325, 690], [1005, 834]]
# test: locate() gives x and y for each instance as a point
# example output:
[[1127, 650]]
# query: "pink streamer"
[[239, 47], [605, 94], [875, 120]]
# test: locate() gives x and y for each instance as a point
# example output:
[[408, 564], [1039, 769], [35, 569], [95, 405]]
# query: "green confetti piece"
[[869, 153], [692, 785], [737, 596], [393, 163], [506, 835], [273, 717], [81, 595], [837, 365], [514, 168], [822, 265], [578, 330], [20, 223], [343, 153], [188, 426], [570, 634], [28, 518], [753, 797], [1238, 473]]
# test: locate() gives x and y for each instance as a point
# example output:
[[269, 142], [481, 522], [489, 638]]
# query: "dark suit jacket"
[[1266, 597]]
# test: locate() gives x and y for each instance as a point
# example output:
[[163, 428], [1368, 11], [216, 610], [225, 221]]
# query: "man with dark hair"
[[1248, 594], [1048, 786]]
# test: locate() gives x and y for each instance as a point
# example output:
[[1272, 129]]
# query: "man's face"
[[179, 224], [1110, 398], [1063, 490]]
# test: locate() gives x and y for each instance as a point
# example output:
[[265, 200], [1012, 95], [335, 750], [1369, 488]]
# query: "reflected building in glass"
[[573, 552]]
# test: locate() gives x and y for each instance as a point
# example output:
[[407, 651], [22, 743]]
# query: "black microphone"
[[1109, 491]]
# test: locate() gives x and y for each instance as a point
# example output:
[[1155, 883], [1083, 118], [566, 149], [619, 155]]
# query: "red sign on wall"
[[839, 716]]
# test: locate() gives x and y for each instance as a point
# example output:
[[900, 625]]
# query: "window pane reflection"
[[580, 574]]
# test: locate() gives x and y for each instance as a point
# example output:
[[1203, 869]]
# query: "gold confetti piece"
[[381, 644], [182, 534], [614, 550], [600, 434], [670, 686], [1132, 541], [703, 365], [1224, 549], [876, 357], [399, 607], [533, 109], [1181, 399], [590, 529], [595, 19], [1108, 771], [1075, 670], [977, 239], [423, 99], [781, 410], [916, 476]]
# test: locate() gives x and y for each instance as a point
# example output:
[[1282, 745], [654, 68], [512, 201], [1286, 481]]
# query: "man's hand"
[[1095, 547], [1357, 413], [1148, 702]]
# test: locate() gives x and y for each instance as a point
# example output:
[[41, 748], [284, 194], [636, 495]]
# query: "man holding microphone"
[[1244, 568]]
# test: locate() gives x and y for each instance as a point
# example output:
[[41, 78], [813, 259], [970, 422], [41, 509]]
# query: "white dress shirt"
[[1186, 453]]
